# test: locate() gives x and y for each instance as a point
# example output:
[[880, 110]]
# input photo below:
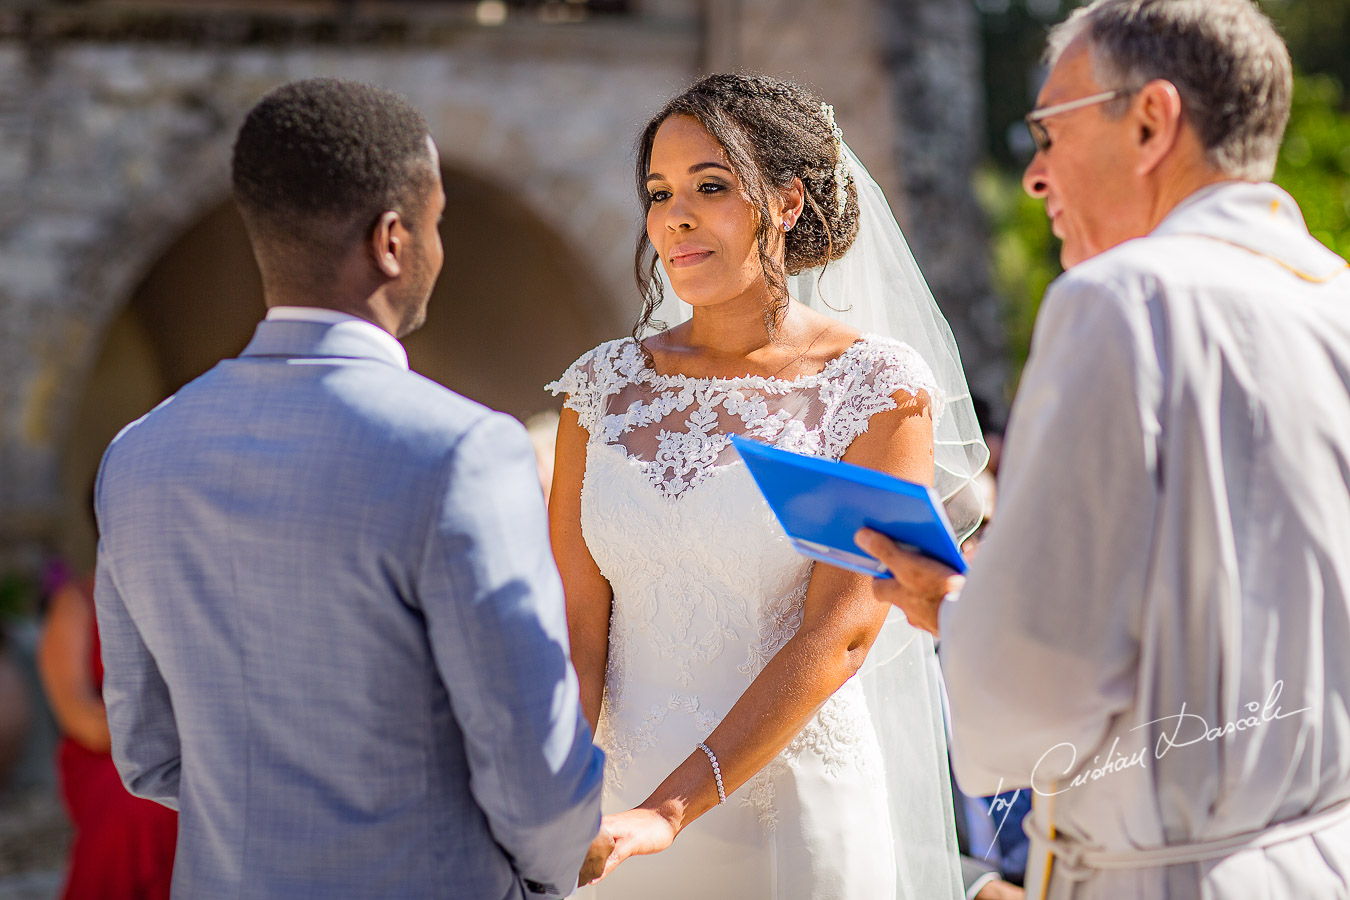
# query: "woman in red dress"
[[123, 847]]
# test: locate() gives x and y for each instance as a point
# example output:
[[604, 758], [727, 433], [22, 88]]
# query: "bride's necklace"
[[805, 350], [802, 352]]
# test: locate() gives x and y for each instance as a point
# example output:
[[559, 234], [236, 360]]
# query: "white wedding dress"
[[706, 590]]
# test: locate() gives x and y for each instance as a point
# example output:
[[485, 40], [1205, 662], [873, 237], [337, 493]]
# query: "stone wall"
[[931, 53]]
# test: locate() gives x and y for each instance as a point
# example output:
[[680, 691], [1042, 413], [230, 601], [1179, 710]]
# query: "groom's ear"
[[388, 241]]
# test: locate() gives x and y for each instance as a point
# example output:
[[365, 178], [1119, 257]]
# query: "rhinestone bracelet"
[[717, 772]]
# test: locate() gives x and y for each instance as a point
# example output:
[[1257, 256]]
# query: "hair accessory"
[[840, 166], [717, 772]]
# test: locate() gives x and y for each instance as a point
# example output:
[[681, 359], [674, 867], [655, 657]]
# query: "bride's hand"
[[633, 833]]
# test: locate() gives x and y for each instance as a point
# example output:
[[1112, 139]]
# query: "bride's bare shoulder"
[[668, 349], [834, 336]]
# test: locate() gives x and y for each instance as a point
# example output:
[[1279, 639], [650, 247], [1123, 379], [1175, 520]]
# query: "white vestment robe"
[[1155, 635]]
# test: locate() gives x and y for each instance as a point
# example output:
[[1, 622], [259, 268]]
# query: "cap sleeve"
[[878, 370], [899, 367], [586, 383]]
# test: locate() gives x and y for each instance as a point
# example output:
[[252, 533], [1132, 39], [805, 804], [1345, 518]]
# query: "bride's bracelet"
[[717, 772]]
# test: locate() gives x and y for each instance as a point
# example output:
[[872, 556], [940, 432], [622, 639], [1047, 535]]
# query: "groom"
[[1170, 565], [333, 633]]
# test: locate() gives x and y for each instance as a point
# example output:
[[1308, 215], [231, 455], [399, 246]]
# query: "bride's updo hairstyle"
[[772, 131]]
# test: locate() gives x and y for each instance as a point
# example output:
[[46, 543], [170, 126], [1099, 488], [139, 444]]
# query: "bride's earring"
[[787, 226]]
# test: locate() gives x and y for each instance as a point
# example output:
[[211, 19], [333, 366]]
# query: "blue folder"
[[821, 504]]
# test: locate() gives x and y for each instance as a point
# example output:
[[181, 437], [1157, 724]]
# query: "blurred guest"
[[15, 712], [992, 429], [124, 846], [987, 489], [543, 431], [983, 882], [993, 832]]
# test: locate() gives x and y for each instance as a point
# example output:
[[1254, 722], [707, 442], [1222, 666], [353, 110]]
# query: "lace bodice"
[[706, 586], [677, 427]]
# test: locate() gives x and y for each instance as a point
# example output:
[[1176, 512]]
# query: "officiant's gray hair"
[[1225, 58]]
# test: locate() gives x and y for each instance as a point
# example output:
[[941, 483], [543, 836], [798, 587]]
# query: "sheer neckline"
[[678, 426], [644, 372]]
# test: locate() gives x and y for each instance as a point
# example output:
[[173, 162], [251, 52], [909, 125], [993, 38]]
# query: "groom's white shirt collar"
[[389, 346]]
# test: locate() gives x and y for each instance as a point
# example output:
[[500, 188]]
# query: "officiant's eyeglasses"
[[1036, 116]]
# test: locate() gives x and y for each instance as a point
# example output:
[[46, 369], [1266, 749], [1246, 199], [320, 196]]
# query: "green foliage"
[[1317, 32], [1314, 163], [1024, 255], [1013, 39], [16, 596]]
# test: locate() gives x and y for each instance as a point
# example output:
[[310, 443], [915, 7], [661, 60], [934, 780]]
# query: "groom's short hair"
[[328, 153]]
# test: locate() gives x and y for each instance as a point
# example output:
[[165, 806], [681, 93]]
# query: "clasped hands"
[[632, 833]]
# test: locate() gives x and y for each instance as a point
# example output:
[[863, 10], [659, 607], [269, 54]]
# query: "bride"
[[770, 732]]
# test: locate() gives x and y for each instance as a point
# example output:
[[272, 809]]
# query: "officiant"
[[1171, 558]]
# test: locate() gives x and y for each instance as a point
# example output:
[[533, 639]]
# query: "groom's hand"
[[918, 585], [596, 857], [632, 833]]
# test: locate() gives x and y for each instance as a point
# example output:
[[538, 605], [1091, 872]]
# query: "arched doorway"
[[514, 305]]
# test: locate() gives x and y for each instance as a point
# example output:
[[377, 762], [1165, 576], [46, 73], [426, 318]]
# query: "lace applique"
[[779, 620], [676, 427], [760, 794], [616, 666], [620, 744], [858, 394], [689, 455], [583, 386], [839, 734], [625, 616], [680, 586]]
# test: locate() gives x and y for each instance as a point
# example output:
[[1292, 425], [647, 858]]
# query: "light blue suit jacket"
[[334, 635]]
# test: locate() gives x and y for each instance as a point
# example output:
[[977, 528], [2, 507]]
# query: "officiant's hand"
[[633, 833], [919, 583]]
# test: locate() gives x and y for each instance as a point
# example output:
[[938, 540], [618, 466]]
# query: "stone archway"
[[514, 305]]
